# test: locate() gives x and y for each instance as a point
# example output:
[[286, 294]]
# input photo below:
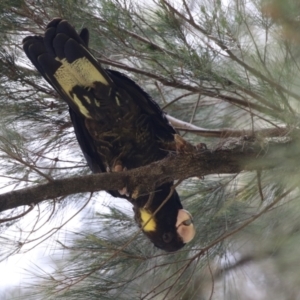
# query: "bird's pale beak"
[[185, 226]]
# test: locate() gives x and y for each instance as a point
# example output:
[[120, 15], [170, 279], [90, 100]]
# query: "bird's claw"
[[183, 146]]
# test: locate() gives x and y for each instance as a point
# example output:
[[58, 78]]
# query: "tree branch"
[[228, 132], [233, 156]]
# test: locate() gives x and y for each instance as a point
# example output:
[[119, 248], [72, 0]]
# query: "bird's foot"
[[201, 146], [183, 146], [118, 167]]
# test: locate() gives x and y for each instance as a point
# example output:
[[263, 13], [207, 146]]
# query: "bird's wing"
[[63, 59]]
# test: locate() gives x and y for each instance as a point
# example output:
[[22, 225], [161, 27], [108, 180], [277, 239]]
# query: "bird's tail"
[[62, 57]]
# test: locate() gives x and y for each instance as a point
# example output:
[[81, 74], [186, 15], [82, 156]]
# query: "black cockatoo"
[[117, 124]]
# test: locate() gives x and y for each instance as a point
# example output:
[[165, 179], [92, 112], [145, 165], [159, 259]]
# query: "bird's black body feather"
[[117, 124]]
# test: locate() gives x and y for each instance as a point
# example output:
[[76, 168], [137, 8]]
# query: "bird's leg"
[[118, 167], [183, 146]]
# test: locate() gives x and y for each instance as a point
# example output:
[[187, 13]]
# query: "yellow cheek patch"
[[145, 216]]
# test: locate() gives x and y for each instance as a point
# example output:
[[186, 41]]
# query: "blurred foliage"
[[214, 64]]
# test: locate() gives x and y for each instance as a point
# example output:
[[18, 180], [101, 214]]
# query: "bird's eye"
[[187, 222], [167, 237]]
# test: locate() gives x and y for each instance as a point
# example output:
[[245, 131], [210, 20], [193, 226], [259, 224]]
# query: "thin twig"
[[212, 277], [18, 216], [99, 267], [258, 173], [227, 132], [230, 53]]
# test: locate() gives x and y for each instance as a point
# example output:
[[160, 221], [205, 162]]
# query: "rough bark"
[[231, 156]]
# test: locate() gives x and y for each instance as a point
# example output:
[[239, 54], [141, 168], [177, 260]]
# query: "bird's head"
[[171, 227]]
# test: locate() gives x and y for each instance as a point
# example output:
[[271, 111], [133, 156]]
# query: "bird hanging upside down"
[[117, 124]]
